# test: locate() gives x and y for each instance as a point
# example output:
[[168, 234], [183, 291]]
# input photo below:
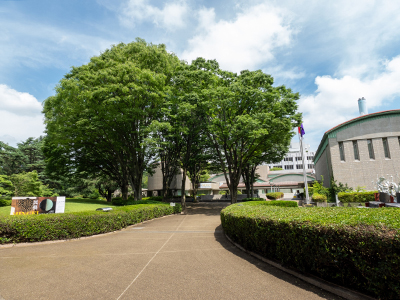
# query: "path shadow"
[[214, 209]]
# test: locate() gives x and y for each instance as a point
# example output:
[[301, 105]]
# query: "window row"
[[371, 151]]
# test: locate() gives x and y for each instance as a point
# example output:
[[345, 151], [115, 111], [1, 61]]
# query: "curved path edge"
[[27, 244], [318, 282]]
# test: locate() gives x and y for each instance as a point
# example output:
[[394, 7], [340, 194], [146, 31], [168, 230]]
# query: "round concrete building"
[[357, 151]]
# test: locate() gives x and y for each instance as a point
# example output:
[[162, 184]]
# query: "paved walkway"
[[176, 257]]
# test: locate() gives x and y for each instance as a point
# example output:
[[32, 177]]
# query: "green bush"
[[352, 247], [4, 202], [274, 195], [46, 227], [282, 203], [251, 199], [357, 197], [319, 198]]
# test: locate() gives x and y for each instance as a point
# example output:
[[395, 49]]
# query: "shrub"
[[46, 227], [357, 197], [357, 248], [118, 201], [4, 202], [281, 203], [251, 199], [274, 195], [319, 198]]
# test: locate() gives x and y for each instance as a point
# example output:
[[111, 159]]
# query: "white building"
[[293, 159]]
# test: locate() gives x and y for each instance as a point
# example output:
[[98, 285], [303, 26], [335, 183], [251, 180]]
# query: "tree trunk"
[[183, 188], [109, 194], [124, 191]]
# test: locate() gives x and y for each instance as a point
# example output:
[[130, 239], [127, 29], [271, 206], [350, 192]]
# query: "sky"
[[331, 52]]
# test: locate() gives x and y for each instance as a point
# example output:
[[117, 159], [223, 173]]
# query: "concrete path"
[[176, 257]]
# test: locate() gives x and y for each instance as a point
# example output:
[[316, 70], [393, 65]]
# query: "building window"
[[310, 157], [288, 159], [399, 140], [371, 149], [386, 147], [355, 149], [341, 150], [299, 166], [299, 158], [289, 167], [310, 166]]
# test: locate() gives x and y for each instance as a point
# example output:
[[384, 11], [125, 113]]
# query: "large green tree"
[[245, 113], [100, 120]]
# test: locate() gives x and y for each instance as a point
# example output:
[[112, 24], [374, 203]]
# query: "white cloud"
[[19, 103], [171, 16], [20, 116], [335, 100], [244, 43]]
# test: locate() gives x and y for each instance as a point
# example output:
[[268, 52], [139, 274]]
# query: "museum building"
[[356, 152]]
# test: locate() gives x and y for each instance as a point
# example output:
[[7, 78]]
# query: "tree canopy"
[[100, 119]]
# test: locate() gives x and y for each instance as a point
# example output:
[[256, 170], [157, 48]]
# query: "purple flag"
[[301, 130]]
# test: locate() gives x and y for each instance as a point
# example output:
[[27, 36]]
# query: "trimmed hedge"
[[274, 195], [282, 203], [252, 199], [47, 227], [357, 197], [4, 202], [319, 198], [357, 248], [118, 201]]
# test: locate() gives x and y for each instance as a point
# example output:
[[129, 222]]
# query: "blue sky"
[[332, 53]]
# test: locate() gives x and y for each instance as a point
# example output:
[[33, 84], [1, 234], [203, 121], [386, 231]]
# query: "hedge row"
[[251, 199], [118, 201], [47, 227], [274, 195], [281, 203], [357, 197], [357, 248]]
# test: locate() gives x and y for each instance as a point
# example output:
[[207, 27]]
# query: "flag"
[[301, 130]]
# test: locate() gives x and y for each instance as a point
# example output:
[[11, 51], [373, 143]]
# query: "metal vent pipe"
[[362, 106]]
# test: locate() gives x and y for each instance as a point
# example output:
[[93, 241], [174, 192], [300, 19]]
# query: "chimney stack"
[[362, 106]]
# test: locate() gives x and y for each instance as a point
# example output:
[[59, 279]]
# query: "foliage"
[[318, 197], [245, 115], [357, 248], [252, 199], [4, 202], [45, 227], [282, 203], [361, 197], [119, 201], [28, 184], [6, 186], [360, 188], [318, 188], [100, 120], [337, 188], [276, 169], [274, 195]]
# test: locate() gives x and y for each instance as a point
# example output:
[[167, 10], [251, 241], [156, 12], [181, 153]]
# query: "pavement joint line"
[[318, 282], [137, 276]]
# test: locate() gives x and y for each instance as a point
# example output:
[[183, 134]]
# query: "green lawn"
[[71, 205]]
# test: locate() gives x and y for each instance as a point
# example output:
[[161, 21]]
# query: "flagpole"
[[304, 166]]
